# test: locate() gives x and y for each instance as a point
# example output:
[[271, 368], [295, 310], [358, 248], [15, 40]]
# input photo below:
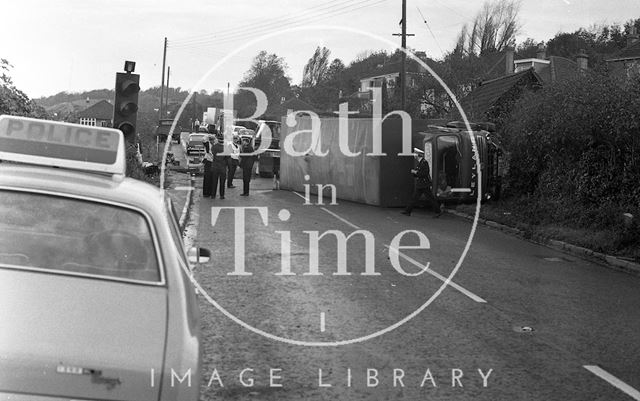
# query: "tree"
[[335, 69], [493, 28], [12, 100], [527, 49], [598, 41], [267, 73], [315, 71]]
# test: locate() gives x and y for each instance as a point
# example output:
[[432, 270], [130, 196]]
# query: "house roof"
[[294, 104], [102, 110], [559, 69], [628, 53], [392, 68], [479, 101]]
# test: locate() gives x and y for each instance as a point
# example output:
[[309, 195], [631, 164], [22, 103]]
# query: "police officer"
[[207, 178], [218, 167], [422, 185], [234, 160], [246, 164]]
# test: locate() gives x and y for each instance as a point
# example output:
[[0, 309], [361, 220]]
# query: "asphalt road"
[[517, 322]]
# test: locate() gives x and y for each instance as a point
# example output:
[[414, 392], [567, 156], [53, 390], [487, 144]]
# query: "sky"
[[78, 45]]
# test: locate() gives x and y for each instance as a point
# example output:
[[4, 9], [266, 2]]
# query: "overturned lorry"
[[370, 165]]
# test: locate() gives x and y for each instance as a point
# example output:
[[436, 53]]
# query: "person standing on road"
[[207, 177], [246, 164], [276, 171], [234, 160], [218, 167], [422, 186]]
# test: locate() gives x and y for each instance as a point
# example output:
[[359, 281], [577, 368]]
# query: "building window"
[[88, 121]]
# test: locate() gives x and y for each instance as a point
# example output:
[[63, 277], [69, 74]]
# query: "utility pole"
[[195, 112], [403, 62], [164, 60], [166, 103]]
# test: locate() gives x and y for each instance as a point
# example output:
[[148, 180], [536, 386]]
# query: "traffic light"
[[125, 106]]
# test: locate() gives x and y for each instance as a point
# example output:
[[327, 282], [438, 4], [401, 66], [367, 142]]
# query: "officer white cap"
[[418, 151]]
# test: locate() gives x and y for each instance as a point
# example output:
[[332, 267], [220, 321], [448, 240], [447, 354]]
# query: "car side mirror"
[[199, 255]]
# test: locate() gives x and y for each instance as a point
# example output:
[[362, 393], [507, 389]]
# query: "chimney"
[[583, 61], [541, 52], [632, 37], [508, 57]]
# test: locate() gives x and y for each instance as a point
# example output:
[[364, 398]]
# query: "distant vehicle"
[[266, 159], [195, 163], [195, 143], [247, 133], [163, 128], [96, 284]]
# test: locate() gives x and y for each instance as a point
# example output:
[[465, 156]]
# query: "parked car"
[[95, 292], [195, 163], [195, 143]]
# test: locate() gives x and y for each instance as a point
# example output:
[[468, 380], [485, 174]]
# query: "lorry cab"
[[452, 161]]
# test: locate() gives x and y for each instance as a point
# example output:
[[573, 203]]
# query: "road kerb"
[[593, 256], [184, 216]]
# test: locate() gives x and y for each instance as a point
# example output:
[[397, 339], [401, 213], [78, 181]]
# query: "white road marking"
[[414, 262], [345, 221], [299, 195], [183, 188], [438, 276], [322, 322], [614, 381]]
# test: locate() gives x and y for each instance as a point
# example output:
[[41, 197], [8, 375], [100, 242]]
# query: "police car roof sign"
[[54, 143]]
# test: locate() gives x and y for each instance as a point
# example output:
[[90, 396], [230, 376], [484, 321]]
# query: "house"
[[293, 104], [389, 74], [626, 63], [492, 97], [99, 114]]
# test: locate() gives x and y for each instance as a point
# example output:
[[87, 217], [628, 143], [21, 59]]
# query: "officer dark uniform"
[[422, 186], [218, 168], [246, 164], [207, 178]]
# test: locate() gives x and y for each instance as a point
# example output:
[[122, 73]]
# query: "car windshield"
[[197, 138], [67, 235]]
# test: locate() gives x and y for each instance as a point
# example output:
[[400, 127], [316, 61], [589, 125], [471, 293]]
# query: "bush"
[[575, 155]]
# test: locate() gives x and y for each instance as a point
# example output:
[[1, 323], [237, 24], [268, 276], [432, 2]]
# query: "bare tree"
[[494, 28], [316, 68]]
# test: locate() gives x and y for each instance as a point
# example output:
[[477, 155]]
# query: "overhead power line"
[[430, 31], [243, 28], [273, 26]]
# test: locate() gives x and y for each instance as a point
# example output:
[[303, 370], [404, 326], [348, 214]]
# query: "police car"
[[95, 297]]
